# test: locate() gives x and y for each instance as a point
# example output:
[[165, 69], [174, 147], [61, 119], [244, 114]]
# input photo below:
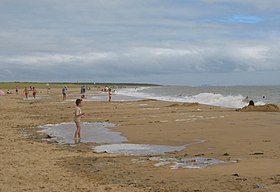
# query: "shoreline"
[[250, 138]]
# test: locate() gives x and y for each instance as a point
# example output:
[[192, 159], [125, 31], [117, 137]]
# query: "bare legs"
[[78, 131]]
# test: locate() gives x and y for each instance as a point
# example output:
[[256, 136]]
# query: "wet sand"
[[30, 163]]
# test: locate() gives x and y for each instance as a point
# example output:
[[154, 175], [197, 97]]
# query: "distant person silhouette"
[[251, 103]]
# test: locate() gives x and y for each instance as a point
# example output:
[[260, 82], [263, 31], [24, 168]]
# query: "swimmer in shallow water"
[[246, 100]]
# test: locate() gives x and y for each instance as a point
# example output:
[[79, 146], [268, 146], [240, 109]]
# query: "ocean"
[[223, 96]]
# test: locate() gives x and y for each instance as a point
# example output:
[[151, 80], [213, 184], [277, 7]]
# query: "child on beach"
[[26, 92], [110, 94], [34, 92], [77, 119], [64, 92]]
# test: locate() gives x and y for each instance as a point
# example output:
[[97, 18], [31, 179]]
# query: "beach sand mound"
[[263, 108], [183, 105], [146, 100]]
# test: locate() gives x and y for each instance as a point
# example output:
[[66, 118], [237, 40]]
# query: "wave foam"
[[229, 101]]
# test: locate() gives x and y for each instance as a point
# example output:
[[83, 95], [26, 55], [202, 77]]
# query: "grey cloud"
[[122, 38]]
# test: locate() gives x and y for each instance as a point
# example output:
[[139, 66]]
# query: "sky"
[[169, 42]]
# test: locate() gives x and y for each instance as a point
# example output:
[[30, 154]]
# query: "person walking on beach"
[[83, 89], [77, 119], [64, 92], [110, 94], [34, 92], [48, 88], [26, 92]]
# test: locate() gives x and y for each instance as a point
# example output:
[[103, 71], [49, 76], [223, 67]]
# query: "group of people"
[[250, 101], [108, 90], [8, 91], [31, 89], [26, 92]]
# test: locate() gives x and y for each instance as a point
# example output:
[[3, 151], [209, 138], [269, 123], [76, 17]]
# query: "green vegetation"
[[12, 85], [39, 85]]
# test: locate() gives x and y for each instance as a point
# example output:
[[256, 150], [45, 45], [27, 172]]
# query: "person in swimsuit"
[[64, 92], [110, 94], [34, 92], [26, 92], [77, 119]]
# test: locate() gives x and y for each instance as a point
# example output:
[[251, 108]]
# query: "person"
[[106, 89], [48, 88], [64, 92], [26, 92], [2, 93], [77, 119], [34, 92], [110, 94], [251, 103], [83, 89], [9, 92], [246, 100]]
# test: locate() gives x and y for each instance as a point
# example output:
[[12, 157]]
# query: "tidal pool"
[[95, 132], [191, 163], [141, 149], [110, 141], [137, 149]]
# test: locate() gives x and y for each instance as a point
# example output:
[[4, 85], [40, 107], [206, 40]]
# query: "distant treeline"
[[10, 85], [118, 84]]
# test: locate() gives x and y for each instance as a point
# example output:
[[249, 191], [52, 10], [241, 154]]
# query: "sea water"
[[223, 96]]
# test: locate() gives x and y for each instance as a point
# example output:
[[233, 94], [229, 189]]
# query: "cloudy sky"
[[183, 42]]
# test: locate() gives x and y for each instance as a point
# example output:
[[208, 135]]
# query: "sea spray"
[[230, 97]]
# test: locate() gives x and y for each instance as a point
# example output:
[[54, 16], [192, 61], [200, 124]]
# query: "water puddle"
[[191, 163], [137, 149], [141, 149], [110, 141], [96, 132]]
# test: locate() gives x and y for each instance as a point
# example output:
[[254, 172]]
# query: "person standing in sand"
[[34, 92], [26, 92], [64, 92], [77, 119], [110, 94]]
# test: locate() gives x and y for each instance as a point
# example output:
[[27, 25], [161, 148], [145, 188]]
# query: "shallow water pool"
[[137, 149], [95, 132]]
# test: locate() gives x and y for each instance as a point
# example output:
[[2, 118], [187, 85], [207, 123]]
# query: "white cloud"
[[138, 38], [260, 4]]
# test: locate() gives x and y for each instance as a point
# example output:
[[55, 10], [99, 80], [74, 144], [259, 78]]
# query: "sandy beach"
[[248, 141]]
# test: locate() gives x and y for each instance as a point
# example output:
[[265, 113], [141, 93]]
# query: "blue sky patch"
[[243, 19]]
